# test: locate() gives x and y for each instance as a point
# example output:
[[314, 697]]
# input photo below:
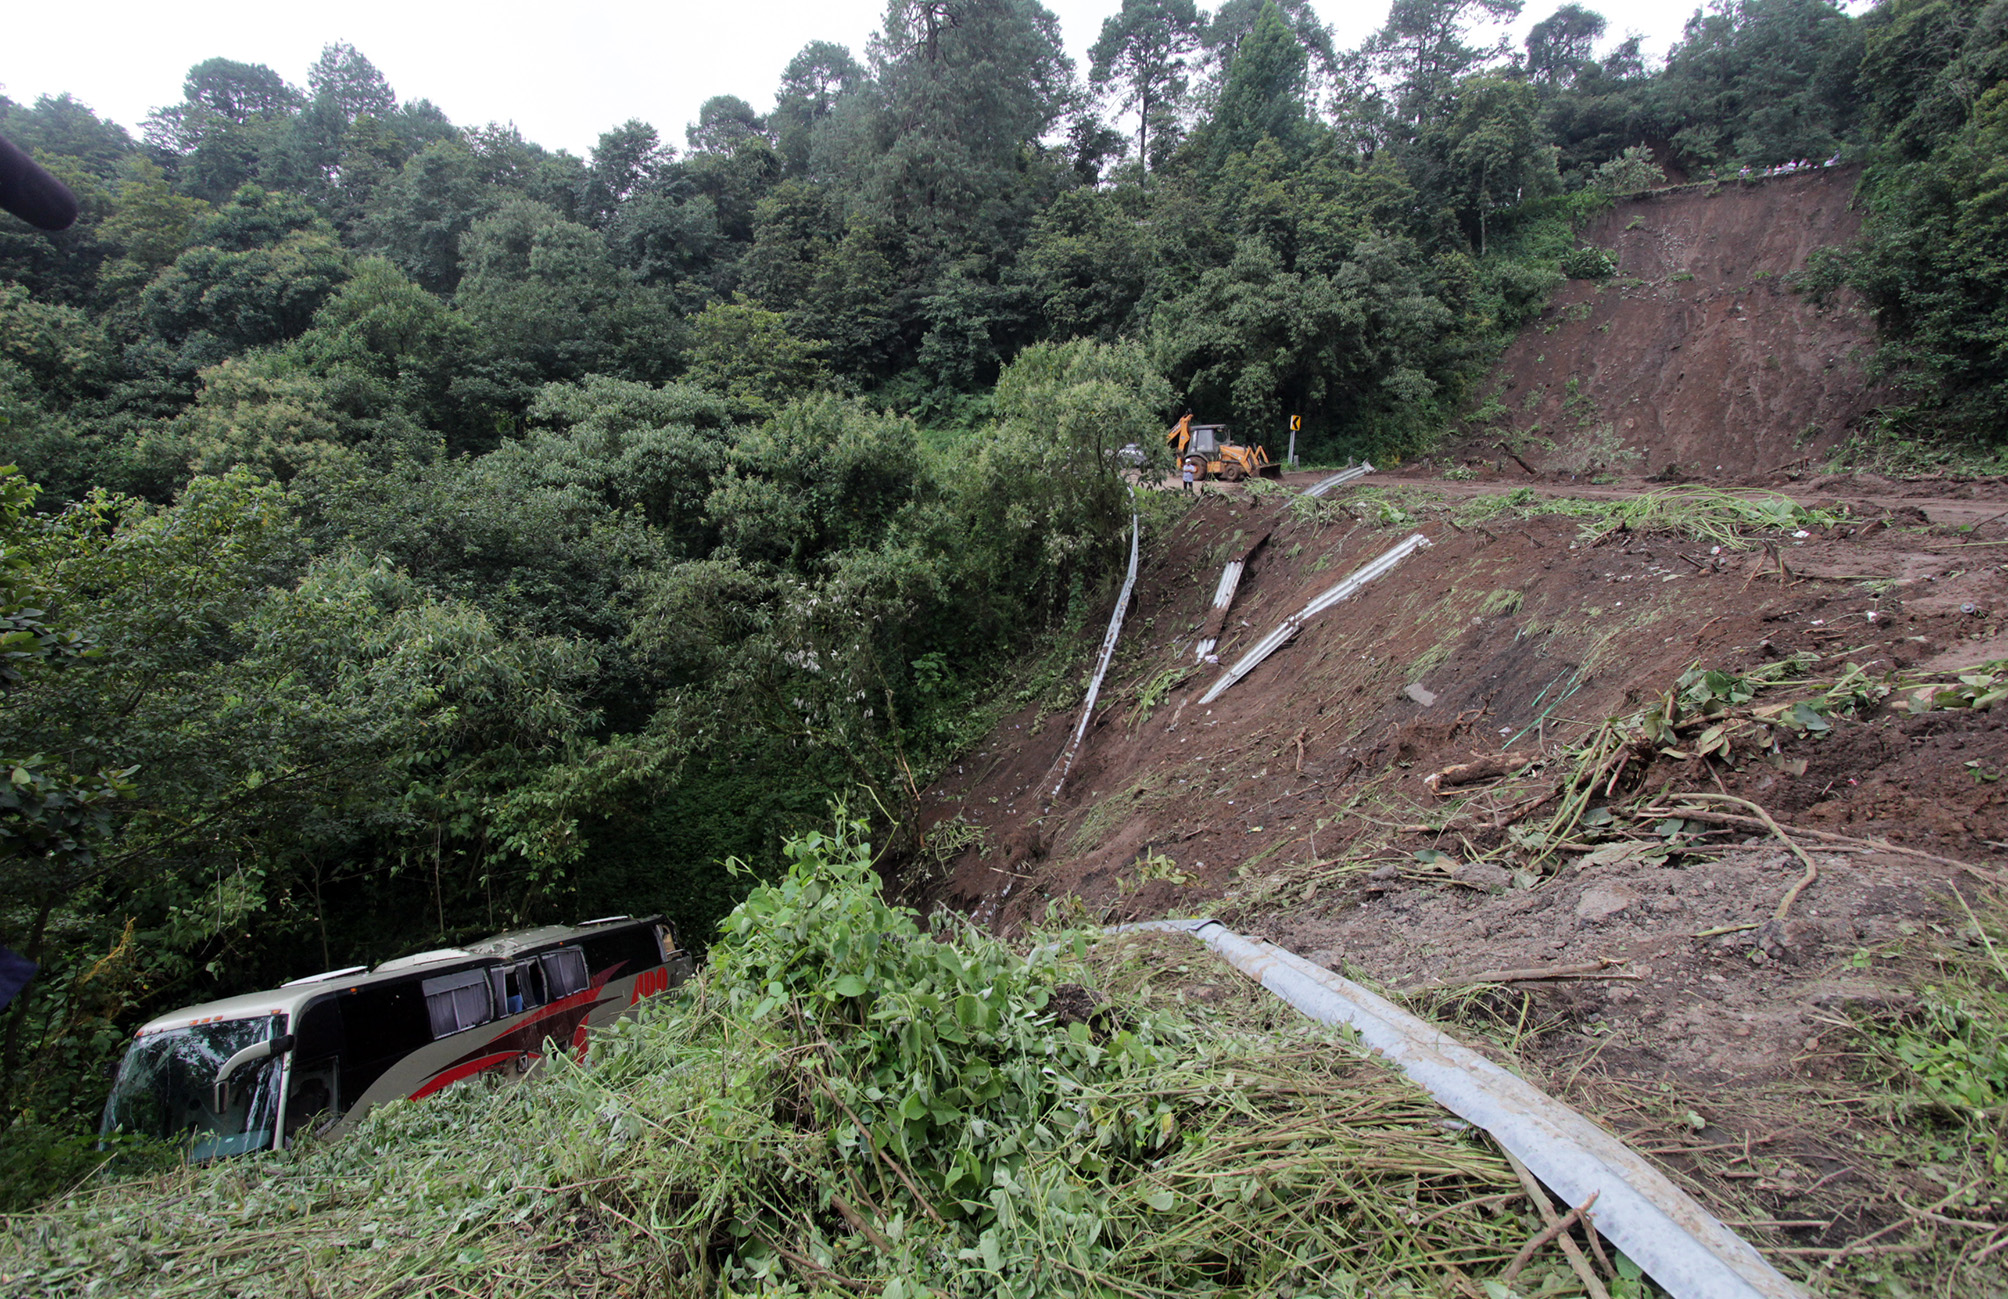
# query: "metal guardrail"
[[1290, 626], [1686, 1250], [1109, 639], [1340, 479]]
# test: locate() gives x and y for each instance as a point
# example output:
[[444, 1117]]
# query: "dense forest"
[[417, 531]]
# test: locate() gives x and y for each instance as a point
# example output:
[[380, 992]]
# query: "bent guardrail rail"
[[1115, 630], [1686, 1250], [1340, 479], [1290, 626]]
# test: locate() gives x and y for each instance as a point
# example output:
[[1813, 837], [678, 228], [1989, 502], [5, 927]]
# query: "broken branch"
[[1824, 836], [1577, 1262], [1470, 773], [1552, 1230], [1597, 969]]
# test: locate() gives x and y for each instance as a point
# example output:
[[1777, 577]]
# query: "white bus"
[[249, 1073]]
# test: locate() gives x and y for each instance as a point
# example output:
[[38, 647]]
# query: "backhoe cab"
[[1205, 448]]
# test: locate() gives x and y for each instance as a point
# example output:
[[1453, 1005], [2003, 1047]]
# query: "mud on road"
[[1685, 1013]]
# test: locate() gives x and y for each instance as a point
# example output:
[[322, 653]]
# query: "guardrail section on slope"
[[1290, 626], [1109, 639], [1685, 1249], [1340, 479], [1223, 595]]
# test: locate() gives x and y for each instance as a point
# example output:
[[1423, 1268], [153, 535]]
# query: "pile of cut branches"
[[1529, 812]]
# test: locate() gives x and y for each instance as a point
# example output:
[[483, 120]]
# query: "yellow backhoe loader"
[[1205, 448]]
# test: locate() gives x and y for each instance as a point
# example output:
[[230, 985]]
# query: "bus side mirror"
[[220, 1090]]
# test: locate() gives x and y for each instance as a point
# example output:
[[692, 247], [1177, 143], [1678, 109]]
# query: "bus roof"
[[293, 996], [518, 941]]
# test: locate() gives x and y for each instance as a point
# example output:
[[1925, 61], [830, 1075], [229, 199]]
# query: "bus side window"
[[522, 987], [382, 1025], [623, 953], [565, 971], [457, 1001]]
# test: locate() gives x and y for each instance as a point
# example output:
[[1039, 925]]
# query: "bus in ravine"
[[253, 1072]]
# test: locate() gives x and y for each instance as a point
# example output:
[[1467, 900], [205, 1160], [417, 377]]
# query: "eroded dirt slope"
[[1296, 806], [1696, 359], [1516, 631]]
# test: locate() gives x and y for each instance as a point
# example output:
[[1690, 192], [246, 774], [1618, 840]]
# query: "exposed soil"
[[1697, 359], [1295, 805], [1686, 1011], [1496, 626]]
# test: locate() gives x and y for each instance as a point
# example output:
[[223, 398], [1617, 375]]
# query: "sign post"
[[1296, 422]]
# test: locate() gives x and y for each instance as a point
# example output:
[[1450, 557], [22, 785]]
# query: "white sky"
[[562, 74]]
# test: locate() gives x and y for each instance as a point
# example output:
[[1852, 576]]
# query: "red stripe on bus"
[[447, 1077]]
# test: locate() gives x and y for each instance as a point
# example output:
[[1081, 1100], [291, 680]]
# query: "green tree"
[[1040, 506], [149, 224], [724, 122], [657, 448], [814, 82], [748, 353], [1090, 265], [548, 302], [1424, 49], [625, 162], [1232, 22], [383, 347], [1264, 97], [418, 217], [1760, 82], [1559, 45], [260, 269], [1629, 172], [1139, 59], [1352, 349], [1933, 261], [224, 132], [1497, 155], [823, 475], [59, 126], [962, 91]]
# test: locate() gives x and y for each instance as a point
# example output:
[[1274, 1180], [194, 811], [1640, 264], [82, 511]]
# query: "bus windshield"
[[164, 1088]]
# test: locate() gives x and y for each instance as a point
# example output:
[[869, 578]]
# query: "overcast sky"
[[562, 73]]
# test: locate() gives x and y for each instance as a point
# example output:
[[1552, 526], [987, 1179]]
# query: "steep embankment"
[[1465, 647], [1703, 983], [1696, 359], [1612, 916]]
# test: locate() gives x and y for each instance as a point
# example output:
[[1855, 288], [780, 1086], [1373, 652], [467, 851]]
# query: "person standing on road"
[[1188, 476]]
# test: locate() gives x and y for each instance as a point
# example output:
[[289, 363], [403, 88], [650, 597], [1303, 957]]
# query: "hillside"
[[1296, 805], [1707, 984], [410, 532], [1697, 359]]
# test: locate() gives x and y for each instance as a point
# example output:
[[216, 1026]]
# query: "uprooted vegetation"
[[845, 1101]]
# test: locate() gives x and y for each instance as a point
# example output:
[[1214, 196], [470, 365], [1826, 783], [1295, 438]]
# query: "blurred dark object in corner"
[[15, 971], [33, 194]]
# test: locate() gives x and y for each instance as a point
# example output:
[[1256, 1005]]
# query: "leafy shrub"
[[1590, 263]]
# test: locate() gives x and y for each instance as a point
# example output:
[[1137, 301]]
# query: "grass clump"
[[845, 1102], [1702, 513]]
